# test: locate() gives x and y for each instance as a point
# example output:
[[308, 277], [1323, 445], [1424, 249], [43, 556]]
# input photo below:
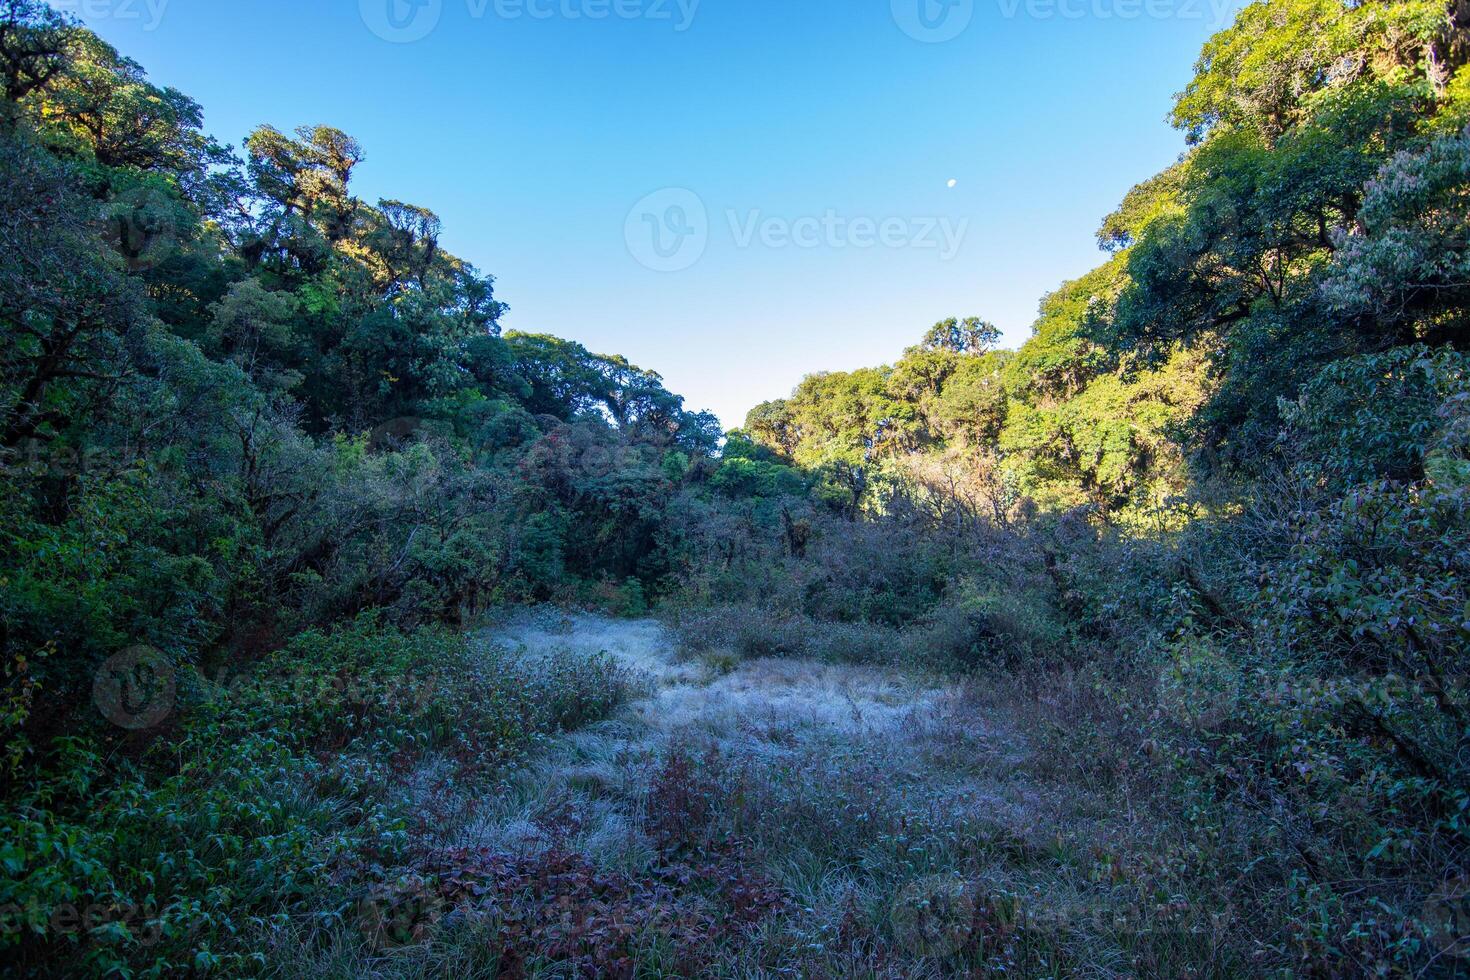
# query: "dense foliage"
[[240, 405], [1235, 456]]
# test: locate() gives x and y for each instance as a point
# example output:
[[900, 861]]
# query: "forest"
[[1140, 650]]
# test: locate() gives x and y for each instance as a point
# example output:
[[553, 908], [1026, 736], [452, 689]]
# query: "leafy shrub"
[[990, 628], [1375, 416], [266, 797]]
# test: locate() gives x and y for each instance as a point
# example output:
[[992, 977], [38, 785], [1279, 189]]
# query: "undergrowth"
[[267, 796]]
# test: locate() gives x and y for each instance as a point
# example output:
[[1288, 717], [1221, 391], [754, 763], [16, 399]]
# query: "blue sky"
[[808, 145]]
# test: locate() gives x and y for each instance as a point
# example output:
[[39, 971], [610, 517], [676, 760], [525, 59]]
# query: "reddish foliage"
[[557, 907], [683, 800]]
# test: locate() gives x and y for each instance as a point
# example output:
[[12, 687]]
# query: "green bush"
[[264, 798], [1374, 416]]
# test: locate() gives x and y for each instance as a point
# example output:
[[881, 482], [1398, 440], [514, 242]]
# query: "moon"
[[953, 182]]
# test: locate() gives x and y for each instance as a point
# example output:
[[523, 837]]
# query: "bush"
[[983, 627], [1374, 416], [265, 796]]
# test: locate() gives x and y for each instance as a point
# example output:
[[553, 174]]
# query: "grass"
[[809, 819], [575, 796], [284, 799]]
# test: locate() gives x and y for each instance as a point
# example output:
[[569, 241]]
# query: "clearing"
[[768, 817]]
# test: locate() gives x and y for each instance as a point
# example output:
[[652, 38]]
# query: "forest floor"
[[788, 715], [775, 817]]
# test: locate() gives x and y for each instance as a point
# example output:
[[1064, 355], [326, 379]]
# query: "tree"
[[407, 240], [254, 328], [33, 43], [1405, 265], [1294, 109], [1265, 72], [307, 177], [770, 425], [971, 335], [66, 307], [973, 404], [103, 106]]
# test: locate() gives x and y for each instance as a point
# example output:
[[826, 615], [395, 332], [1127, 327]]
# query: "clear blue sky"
[[535, 137]]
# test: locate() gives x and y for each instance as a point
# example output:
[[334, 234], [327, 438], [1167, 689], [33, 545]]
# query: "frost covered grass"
[[773, 817], [739, 817]]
